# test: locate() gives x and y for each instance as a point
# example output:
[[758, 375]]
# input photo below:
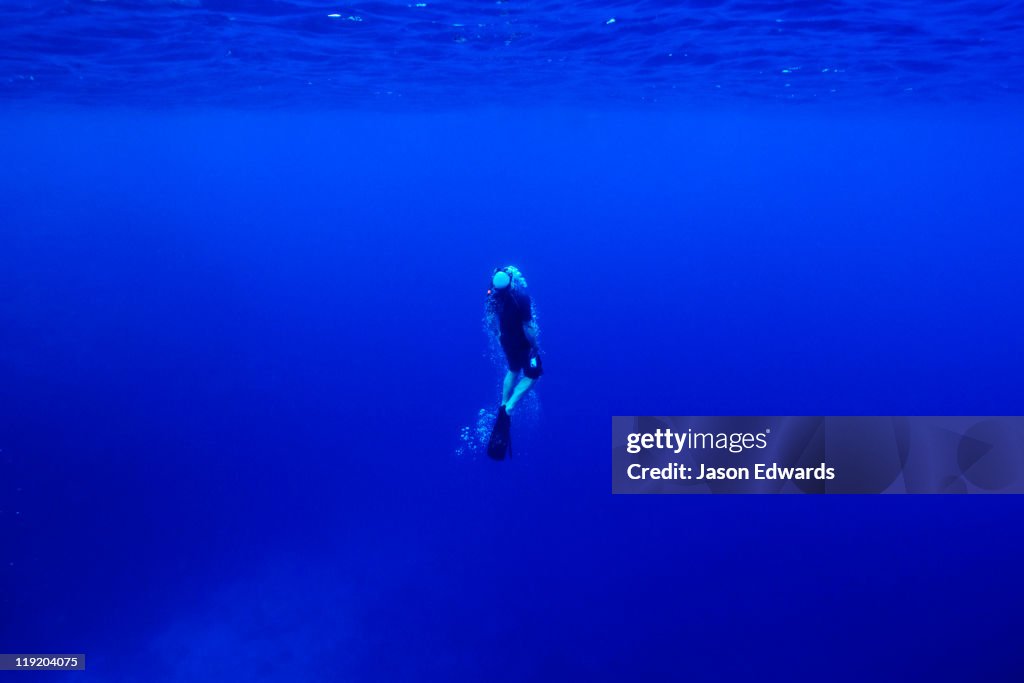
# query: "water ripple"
[[451, 53]]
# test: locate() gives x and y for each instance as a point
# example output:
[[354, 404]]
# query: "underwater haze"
[[244, 256]]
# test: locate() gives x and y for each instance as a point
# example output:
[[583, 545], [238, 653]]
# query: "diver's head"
[[501, 281]]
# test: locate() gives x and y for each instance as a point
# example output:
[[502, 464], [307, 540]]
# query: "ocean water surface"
[[244, 255], [166, 53]]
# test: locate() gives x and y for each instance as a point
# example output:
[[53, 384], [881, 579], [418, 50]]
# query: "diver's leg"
[[524, 385], [506, 388]]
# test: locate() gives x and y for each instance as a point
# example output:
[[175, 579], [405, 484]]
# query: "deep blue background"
[[238, 349]]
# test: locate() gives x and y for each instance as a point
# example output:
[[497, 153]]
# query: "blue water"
[[244, 250]]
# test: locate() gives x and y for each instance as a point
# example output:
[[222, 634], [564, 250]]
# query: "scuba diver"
[[510, 318]]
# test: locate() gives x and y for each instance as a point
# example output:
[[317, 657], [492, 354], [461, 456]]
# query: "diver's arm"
[[491, 319], [530, 329]]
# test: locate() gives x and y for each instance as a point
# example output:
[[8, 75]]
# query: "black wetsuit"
[[514, 311]]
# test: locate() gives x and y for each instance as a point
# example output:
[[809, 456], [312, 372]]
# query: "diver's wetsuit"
[[514, 311]]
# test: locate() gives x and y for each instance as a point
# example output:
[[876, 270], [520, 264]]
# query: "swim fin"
[[501, 436]]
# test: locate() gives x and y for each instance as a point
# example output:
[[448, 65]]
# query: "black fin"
[[501, 436]]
